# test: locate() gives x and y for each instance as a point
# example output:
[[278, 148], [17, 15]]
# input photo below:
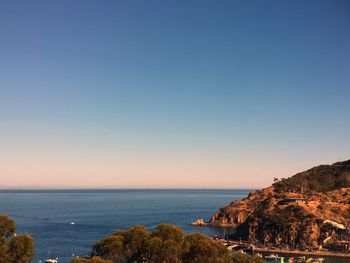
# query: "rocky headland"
[[308, 210]]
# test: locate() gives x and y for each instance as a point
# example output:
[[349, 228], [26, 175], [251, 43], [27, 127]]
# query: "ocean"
[[47, 214]]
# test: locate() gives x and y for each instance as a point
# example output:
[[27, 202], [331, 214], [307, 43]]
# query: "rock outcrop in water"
[[309, 209], [199, 222]]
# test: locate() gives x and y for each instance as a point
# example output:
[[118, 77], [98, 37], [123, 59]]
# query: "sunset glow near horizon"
[[171, 94]]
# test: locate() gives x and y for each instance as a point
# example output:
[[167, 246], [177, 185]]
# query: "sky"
[[171, 94]]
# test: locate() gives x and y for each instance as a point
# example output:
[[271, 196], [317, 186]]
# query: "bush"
[[322, 178], [166, 244], [14, 248]]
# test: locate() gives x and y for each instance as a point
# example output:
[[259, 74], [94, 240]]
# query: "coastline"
[[301, 253]]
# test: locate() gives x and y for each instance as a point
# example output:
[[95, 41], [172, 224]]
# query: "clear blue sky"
[[171, 93]]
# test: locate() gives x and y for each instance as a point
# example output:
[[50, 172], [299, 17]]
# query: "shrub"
[[166, 244], [14, 248]]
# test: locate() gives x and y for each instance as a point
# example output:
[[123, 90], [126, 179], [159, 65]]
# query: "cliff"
[[306, 210]]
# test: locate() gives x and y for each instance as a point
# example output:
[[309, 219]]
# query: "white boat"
[[50, 259]]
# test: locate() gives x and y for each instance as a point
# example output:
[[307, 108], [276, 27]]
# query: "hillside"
[[323, 178], [309, 209]]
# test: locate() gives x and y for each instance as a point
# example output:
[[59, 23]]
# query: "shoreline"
[[282, 252], [302, 253]]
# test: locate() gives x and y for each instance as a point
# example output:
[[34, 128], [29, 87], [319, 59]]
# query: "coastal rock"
[[199, 222], [298, 212]]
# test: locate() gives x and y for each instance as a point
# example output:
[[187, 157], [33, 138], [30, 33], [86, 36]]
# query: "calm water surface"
[[46, 214]]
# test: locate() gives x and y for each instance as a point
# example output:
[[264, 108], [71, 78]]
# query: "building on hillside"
[[291, 200]]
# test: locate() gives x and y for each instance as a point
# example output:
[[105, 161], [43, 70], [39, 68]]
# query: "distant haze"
[[171, 94]]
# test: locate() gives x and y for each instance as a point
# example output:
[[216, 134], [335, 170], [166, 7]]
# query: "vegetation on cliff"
[[298, 213], [323, 178], [14, 248]]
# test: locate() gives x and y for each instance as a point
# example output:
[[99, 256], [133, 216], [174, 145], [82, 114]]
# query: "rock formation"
[[199, 222], [299, 212]]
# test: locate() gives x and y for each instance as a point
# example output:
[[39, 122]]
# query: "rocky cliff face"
[[238, 211], [298, 212]]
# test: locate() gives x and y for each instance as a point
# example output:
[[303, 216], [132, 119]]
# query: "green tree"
[[110, 248], [167, 244], [7, 226], [201, 249], [155, 249], [4, 251], [136, 243], [172, 238], [22, 249], [14, 249], [169, 232], [168, 252]]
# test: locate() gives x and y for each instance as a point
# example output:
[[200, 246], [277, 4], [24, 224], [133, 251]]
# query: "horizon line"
[[125, 188]]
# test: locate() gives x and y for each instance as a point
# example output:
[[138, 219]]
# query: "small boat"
[[72, 223], [49, 257]]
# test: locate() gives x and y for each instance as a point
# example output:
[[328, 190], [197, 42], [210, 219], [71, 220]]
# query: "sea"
[[66, 223]]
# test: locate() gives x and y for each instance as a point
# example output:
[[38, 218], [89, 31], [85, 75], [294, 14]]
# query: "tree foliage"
[[322, 178], [22, 249], [4, 250], [200, 248], [7, 226], [14, 248], [166, 244], [111, 247]]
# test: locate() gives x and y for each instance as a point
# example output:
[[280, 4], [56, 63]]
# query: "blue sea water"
[[47, 214]]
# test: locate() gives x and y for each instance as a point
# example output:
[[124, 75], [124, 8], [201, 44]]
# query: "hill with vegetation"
[[323, 178], [308, 210]]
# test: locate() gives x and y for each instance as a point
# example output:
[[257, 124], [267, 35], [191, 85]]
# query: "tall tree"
[[167, 244], [4, 251], [111, 247], [14, 248], [22, 249], [7, 226]]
